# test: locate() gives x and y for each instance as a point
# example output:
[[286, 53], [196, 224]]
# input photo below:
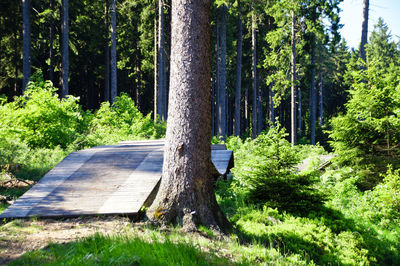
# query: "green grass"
[[121, 250]]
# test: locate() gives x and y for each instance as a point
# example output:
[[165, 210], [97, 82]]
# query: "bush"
[[40, 119], [122, 121]]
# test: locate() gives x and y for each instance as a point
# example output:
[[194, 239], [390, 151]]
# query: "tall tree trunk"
[[162, 86], [238, 86], [246, 109], [299, 115], [271, 105], [217, 76], [114, 88], [26, 36], [51, 48], [138, 82], [65, 50], [364, 29], [213, 85], [321, 102], [222, 78], [155, 113], [260, 109], [107, 55], [313, 102], [186, 191], [254, 71], [293, 88]]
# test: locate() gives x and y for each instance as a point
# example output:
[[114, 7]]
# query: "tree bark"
[[65, 50], [260, 109], [246, 109], [271, 105], [299, 112], [51, 44], [186, 193], [364, 29], [313, 102], [155, 67], [254, 72], [293, 84], [114, 88], [321, 102], [162, 87], [26, 36], [107, 55], [222, 78], [238, 86]]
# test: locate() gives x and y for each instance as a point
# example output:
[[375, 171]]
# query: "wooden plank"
[[153, 161], [45, 186]]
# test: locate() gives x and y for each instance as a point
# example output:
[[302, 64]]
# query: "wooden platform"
[[102, 180]]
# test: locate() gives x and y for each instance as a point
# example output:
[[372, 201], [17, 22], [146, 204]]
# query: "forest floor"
[[20, 236]]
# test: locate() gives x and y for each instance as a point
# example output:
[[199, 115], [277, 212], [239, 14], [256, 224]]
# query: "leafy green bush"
[[11, 150], [40, 119], [122, 121]]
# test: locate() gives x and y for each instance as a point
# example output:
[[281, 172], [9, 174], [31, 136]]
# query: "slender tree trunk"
[[213, 107], [271, 105], [114, 88], [246, 109], [186, 193], [321, 102], [162, 86], [313, 103], [26, 36], [254, 72], [364, 29], [51, 48], [260, 109], [16, 58], [155, 67], [217, 76], [222, 78], [65, 50], [138, 82], [238, 86], [293, 91], [107, 55], [299, 114]]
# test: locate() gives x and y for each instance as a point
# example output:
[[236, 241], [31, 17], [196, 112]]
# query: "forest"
[[285, 88]]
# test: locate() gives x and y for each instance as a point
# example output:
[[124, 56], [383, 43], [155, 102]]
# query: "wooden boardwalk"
[[102, 180]]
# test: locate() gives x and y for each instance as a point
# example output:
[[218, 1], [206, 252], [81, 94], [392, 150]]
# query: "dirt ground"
[[20, 236]]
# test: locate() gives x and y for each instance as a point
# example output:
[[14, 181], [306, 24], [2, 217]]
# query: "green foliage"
[[368, 134], [387, 198], [40, 119], [123, 121], [266, 173]]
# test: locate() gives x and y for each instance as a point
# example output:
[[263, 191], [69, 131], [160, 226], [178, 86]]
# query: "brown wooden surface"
[[102, 180]]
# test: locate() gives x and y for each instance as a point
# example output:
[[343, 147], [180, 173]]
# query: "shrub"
[[40, 118], [122, 121]]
